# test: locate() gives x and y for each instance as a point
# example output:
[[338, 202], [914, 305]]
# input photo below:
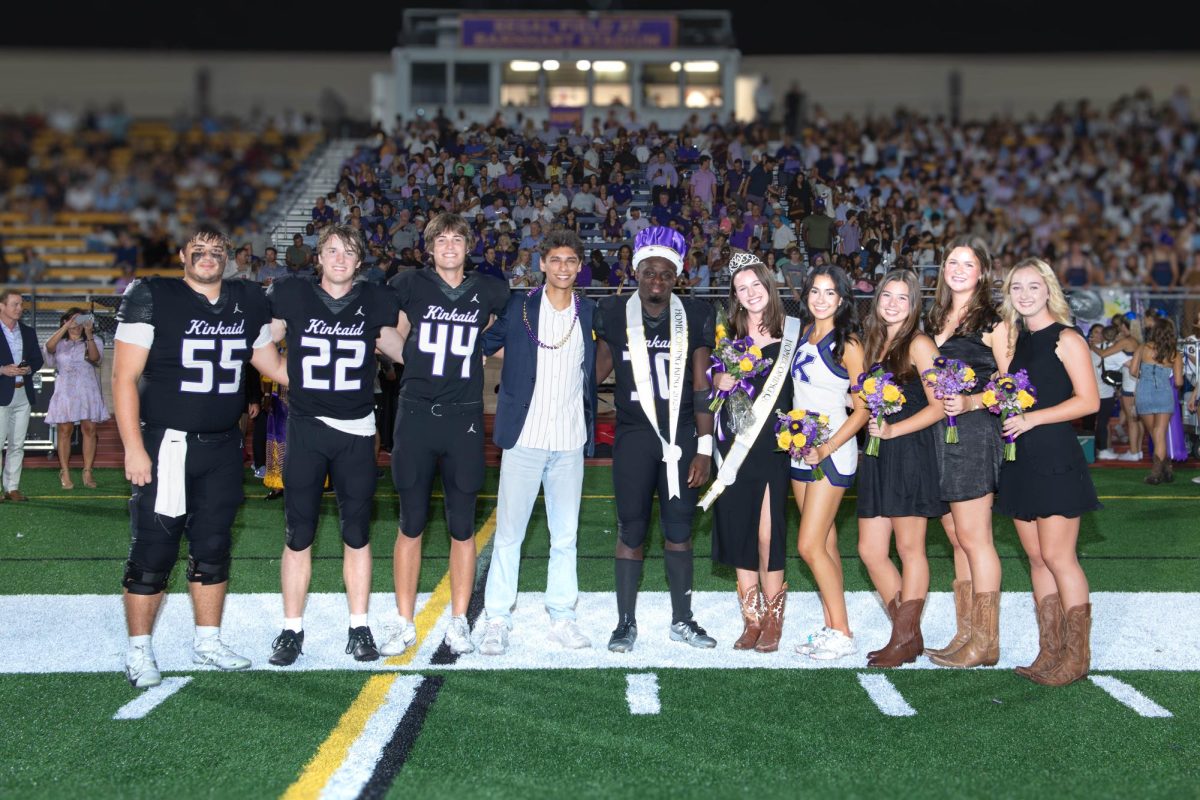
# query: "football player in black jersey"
[[186, 342], [333, 328], [659, 346], [440, 417]]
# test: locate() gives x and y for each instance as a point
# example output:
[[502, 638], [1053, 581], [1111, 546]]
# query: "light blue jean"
[[523, 472]]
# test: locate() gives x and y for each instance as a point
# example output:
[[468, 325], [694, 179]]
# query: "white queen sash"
[[780, 373], [639, 359]]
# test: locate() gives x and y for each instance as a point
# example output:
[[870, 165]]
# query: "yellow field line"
[[333, 750]]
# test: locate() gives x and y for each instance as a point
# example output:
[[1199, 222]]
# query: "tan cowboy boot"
[[890, 609], [1077, 652], [752, 614], [983, 648], [1052, 629], [906, 643], [772, 622], [962, 611]]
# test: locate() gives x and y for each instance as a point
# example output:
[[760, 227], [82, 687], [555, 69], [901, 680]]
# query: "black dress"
[[902, 481], [970, 468], [737, 510], [1050, 475]]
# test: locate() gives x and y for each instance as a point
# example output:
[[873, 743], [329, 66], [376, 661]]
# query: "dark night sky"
[[899, 26]]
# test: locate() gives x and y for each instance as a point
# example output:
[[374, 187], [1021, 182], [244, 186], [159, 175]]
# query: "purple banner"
[[538, 32], [566, 118]]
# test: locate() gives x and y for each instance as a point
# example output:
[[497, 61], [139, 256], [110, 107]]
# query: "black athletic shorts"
[[315, 450], [639, 472], [429, 436]]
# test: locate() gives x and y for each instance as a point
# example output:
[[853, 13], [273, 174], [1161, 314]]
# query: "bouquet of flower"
[[742, 359], [1009, 395], [949, 377], [883, 397], [799, 431]]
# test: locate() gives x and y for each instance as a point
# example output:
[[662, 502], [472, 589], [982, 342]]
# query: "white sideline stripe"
[[349, 779], [1128, 696], [885, 696], [641, 692], [151, 699], [1130, 631]]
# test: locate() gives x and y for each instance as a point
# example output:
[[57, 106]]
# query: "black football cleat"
[[286, 648], [362, 644]]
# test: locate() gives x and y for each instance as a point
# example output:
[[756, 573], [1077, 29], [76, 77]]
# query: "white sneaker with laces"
[[565, 632], [495, 638], [212, 651], [398, 637], [1106, 455], [140, 668], [1130, 457], [810, 642], [458, 636], [834, 644]]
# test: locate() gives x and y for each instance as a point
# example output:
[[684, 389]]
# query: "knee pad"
[[632, 534], [207, 573], [139, 580], [298, 539], [677, 532], [414, 513], [460, 517]]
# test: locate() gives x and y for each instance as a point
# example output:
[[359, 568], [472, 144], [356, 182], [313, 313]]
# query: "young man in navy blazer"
[[544, 422], [20, 357]]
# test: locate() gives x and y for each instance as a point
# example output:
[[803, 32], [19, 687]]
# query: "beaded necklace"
[[533, 336]]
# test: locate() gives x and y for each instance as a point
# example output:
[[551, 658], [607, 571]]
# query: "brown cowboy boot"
[[1168, 473], [1156, 473], [890, 609], [1077, 652], [983, 648], [752, 614], [962, 611], [772, 622], [1052, 629], [906, 643]]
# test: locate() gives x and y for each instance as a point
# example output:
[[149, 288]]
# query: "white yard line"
[[1128, 696], [641, 692], [885, 696], [349, 779], [151, 699]]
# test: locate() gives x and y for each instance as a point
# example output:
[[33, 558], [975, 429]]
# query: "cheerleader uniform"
[[821, 384]]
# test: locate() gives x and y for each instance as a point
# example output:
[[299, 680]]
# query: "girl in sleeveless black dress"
[[1047, 488], [899, 489], [965, 326]]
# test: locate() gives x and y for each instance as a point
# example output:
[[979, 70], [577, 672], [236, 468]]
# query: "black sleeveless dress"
[[1050, 474], [736, 512], [903, 480], [971, 468]]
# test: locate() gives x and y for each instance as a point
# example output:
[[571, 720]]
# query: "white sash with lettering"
[[639, 359], [762, 409]]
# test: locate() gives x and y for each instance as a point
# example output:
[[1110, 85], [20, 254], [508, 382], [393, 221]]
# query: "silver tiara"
[[742, 259]]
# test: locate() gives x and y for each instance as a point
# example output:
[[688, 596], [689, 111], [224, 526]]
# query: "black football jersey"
[[443, 355], [331, 354], [610, 326], [194, 377]]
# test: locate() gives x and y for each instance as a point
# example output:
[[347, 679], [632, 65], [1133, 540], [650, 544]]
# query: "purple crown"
[[657, 236]]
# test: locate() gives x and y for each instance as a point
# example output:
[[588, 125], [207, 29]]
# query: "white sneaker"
[[834, 644], [398, 637], [565, 632], [1106, 455], [1196, 479], [212, 651], [458, 636], [1130, 457], [495, 638], [810, 642], [141, 669]]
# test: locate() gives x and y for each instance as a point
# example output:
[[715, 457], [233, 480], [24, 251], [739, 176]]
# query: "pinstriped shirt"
[[556, 420]]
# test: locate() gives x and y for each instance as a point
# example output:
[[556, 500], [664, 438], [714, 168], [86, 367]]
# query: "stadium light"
[[583, 65], [550, 65], [701, 66], [524, 66], [676, 66], [609, 66]]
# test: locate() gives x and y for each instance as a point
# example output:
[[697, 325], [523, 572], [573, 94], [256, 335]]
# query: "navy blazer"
[[520, 367], [33, 354]]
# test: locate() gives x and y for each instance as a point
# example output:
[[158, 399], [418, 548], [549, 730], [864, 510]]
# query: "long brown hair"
[[773, 315], [1162, 338], [981, 310], [895, 358]]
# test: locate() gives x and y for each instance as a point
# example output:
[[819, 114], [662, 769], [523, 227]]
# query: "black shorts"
[[315, 450], [438, 438], [639, 472], [213, 479]]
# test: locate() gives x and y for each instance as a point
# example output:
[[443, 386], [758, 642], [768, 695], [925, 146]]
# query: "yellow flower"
[[799, 440], [1025, 399], [1007, 385], [745, 365], [969, 374], [988, 398], [784, 441], [796, 413], [891, 393], [796, 426], [868, 386], [823, 419], [755, 351], [721, 333]]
